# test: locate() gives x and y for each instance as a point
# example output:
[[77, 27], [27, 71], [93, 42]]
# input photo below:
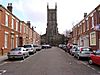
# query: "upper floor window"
[[92, 22], [17, 22], [20, 27], [24, 28], [0, 16], [87, 24], [12, 23], [84, 27], [6, 20]]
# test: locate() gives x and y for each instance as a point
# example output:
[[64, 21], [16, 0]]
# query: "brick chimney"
[[28, 23], [9, 7]]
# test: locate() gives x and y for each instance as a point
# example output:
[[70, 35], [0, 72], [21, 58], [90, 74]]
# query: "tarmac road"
[[53, 61]]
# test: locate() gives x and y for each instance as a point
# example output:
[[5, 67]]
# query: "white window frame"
[[87, 24], [92, 22], [16, 40], [12, 23], [6, 19], [12, 41], [6, 40], [17, 23], [20, 27]]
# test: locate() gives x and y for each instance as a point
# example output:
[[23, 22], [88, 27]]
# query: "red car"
[[95, 58]]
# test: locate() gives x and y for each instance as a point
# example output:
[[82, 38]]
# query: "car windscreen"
[[27, 46], [16, 49]]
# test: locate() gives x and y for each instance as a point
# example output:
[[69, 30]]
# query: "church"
[[52, 36]]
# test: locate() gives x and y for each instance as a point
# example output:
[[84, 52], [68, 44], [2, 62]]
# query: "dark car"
[[95, 58]]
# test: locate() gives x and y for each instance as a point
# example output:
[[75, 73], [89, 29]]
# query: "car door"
[[97, 57]]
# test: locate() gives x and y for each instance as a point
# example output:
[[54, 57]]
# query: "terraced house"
[[13, 31], [87, 31]]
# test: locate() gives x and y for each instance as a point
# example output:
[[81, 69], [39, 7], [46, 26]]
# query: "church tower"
[[51, 30]]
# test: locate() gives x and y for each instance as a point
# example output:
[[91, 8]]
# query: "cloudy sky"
[[69, 12]]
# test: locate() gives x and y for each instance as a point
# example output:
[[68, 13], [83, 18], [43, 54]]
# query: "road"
[[53, 61]]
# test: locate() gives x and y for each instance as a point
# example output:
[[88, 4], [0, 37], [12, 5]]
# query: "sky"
[[69, 12]]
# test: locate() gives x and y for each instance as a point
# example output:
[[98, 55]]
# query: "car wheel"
[[90, 62], [23, 57], [28, 54], [74, 56], [78, 57]]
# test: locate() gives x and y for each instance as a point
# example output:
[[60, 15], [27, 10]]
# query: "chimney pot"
[[28, 23], [9, 7], [85, 14]]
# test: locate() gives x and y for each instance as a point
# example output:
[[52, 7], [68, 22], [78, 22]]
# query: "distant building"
[[52, 36]]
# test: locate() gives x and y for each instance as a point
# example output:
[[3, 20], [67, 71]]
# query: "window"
[[12, 41], [20, 27], [87, 24], [0, 16], [93, 38], [12, 23], [6, 20], [16, 40], [6, 39], [17, 25], [92, 22], [24, 28]]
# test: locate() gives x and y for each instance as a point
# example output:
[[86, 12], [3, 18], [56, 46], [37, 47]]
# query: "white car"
[[19, 52], [30, 48]]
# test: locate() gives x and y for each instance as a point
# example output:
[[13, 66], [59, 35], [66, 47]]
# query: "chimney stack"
[[9, 7], [28, 23], [85, 14]]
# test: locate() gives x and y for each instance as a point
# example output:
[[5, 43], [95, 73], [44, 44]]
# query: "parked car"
[[19, 52], [30, 48], [72, 50], [95, 58], [60, 46], [37, 47], [46, 46], [83, 52]]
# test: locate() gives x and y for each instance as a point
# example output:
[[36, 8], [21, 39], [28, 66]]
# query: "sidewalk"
[[4, 57]]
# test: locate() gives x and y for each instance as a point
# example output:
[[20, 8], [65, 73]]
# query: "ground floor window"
[[6, 40], [93, 38], [12, 41]]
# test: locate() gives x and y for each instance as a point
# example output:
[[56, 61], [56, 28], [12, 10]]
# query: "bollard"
[[2, 50]]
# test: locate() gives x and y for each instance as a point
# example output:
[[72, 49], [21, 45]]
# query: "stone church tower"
[[52, 35], [51, 30]]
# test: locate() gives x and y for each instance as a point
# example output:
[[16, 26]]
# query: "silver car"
[[19, 52], [83, 52], [30, 48]]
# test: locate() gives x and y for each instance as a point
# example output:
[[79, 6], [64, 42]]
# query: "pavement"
[[3, 57]]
